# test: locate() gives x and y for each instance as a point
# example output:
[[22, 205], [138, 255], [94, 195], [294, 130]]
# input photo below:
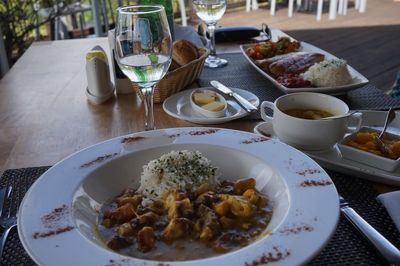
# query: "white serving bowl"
[[206, 112], [368, 158], [304, 199], [307, 134]]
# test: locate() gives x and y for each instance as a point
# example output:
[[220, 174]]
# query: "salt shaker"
[[100, 87]]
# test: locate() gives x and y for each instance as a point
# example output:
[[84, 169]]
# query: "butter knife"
[[386, 249], [242, 101]]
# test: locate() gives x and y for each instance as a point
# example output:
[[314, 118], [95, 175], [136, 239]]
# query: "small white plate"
[[178, 106], [357, 82], [332, 159]]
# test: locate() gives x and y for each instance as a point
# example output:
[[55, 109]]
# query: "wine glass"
[[143, 48], [210, 11]]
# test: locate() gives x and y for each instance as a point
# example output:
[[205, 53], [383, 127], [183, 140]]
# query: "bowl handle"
[[266, 104], [357, 118]]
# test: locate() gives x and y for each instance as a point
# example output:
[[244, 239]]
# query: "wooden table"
[[45, 115]]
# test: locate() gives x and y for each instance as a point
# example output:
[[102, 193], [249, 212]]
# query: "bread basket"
[[179, 78]]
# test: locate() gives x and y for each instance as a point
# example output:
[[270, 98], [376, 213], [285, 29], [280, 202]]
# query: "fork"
[[387, 250], [7, 221]]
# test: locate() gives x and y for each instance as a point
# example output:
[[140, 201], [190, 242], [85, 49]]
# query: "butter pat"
[[208, 103], [214, 106], [203, 98]]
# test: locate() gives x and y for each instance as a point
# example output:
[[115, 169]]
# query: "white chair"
[[320, 6], [342, 8], [333, 6], [182, 8], [251, 4], [360, 5]]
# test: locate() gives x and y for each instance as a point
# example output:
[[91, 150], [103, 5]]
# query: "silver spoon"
[[378, 140], [339, 116]]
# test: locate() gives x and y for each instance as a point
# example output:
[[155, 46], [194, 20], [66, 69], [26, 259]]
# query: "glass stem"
[[148, 107], [211, 31]]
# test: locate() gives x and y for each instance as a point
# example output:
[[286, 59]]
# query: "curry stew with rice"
[[186, 225]]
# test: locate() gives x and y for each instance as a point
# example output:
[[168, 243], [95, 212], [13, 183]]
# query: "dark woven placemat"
[[346, 247], [240, 74]]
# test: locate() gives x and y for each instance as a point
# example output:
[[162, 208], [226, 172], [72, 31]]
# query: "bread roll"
[[174, 65], [184, 52]]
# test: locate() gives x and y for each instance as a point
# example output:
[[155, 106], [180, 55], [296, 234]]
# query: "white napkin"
[[190, 34], [391, 201]]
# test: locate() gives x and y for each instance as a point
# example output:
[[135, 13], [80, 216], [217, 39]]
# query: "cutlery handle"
[[4, 239], [388, 251], [244, 103]]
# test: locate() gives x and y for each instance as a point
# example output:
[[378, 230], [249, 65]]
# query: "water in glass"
[[143, 48], [210, 11]]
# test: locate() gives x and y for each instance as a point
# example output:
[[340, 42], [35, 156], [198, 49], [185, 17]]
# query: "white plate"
[[357, 82], [333, 160], [178, 106], [65, 200]]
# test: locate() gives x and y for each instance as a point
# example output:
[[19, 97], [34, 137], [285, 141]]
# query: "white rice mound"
[[176, 170], [328, 73]]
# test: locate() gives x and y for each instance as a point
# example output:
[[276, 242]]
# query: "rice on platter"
[[176, 170], [328, 73]]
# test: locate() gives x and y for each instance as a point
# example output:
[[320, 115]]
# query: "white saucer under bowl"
[[332, 159]]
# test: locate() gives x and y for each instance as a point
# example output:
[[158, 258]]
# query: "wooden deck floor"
[[369, 41]]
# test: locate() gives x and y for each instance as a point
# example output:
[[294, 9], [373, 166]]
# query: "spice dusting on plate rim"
[[132, 139], [296, 229], [255, 140], [54, 232], [52, 219], [315, 183], [121, 262], [99, 159], [272, 256], [55, 221], [309, 171]]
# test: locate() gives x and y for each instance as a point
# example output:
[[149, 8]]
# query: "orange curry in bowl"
[[365, 141], [185, 225]]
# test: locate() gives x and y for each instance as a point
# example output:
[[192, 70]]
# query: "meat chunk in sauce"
[[242, 185], [126, 229], [239, 206], [178, 205], [117, 243], [146, 239], [208, 223], [121, 214], [255, 198], [207, 199], [147, 218], [177, 228], [135, 200]]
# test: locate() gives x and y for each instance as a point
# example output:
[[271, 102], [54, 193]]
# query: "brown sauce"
[[311, 114], [216, 221]]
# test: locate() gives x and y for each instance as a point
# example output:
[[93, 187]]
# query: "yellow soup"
[[312, 114]]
